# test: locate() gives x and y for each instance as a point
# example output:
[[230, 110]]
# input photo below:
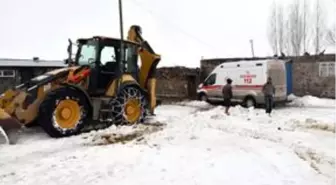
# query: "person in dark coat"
[[227, 95], [269, 92]]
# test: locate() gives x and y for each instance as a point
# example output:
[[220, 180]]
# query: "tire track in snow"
[[193, 126], [318, 160]]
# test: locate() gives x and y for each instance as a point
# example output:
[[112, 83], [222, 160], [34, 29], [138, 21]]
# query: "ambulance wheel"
[[249, 101], [203, 97]]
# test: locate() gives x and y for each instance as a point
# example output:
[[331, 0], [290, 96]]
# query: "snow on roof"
[[6, 62]]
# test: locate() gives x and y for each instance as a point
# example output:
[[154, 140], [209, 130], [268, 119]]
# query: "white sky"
[[182, 31]]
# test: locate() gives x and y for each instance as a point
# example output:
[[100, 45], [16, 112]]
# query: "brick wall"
[[306, 79]]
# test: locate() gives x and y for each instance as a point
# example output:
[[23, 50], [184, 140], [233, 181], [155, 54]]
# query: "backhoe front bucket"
[[8, 128]]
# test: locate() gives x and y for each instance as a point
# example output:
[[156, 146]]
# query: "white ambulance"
[[248, 78]]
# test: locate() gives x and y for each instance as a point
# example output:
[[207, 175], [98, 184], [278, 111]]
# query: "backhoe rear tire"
[[63, 112]]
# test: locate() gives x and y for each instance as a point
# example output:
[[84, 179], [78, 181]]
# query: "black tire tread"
[[249, 98], [118, 117], [48, 106]]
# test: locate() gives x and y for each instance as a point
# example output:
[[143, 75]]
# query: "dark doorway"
[[26, 74], [192, 94]]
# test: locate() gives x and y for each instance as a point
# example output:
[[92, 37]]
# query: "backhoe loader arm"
[[149, 62], [149, 59]]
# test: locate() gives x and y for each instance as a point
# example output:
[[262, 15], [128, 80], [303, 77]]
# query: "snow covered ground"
[[198, 145]]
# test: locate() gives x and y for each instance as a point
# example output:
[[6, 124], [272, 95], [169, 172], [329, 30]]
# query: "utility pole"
[[122, 54], [252, 50]]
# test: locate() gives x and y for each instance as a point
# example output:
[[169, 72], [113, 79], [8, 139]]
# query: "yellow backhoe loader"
[[98, 86]]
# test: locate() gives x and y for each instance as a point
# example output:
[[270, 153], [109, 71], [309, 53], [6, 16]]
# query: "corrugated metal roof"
[[7, 62]]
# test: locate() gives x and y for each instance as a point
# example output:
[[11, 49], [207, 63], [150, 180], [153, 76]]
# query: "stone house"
[[314, 75], [16, 71], [177, 83], [311, 75]]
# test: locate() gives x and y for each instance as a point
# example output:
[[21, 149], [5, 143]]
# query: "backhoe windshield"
[[109, 55], [131, 58], [87, 55]]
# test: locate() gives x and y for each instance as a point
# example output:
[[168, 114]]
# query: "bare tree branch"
[[331, 36], [331, 33], [295, 23], [320, 28], [272, 29], [280, 28], [300, 30], [306, 29]]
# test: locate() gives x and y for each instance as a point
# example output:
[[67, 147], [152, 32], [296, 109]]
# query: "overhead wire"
[[175, 25]]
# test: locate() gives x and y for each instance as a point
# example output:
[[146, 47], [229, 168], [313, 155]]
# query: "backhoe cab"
[[101, 56], [98, 85]]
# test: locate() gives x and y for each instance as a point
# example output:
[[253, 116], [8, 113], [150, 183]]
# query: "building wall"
[[177, 83], [306, 78], [8, 82], [173, 83]]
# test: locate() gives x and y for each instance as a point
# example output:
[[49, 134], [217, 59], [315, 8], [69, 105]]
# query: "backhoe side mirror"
[[69, 50]]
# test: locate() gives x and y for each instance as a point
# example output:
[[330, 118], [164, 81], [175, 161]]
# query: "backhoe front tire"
[[129, 107], [63, 112]]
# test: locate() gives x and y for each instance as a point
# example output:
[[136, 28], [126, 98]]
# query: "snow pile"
[[311, 101], [195, 104], [311, 123], [291, 97]]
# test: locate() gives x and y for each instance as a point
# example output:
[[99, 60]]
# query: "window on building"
[[327, 69], [7, 73]]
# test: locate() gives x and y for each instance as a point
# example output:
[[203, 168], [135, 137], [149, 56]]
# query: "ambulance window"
[[211, 80]]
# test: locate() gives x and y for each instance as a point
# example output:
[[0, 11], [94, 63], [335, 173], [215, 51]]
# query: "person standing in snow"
[[227, 95], [269, 91]]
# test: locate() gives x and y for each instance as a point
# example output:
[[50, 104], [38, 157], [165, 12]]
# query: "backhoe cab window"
[[108, 55], [87, 55], [131, 59]]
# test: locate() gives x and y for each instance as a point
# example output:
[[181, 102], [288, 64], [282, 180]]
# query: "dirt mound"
[[122, 134]]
